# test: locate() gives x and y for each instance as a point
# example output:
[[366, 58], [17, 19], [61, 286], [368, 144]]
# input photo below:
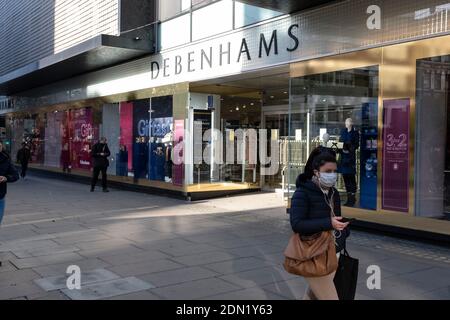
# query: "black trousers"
[[24, 166], [95, 175], [350, 183]]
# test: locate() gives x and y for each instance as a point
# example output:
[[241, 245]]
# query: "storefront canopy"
[[97, 53]]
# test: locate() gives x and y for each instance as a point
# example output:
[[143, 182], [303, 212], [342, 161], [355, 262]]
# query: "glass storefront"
[[338, 111], [140, 133], [432, 150]]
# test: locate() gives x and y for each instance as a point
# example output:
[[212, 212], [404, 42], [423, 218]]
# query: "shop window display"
[[340, 112], [83, 133], [53, 138], [432, 149], [126, 138], [110, 129], [162, 139], [141, 137]]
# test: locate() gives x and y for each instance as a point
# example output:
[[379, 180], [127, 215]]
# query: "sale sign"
[[395, 188]]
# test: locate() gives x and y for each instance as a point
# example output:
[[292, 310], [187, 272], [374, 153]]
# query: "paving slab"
[[61, 268], [12, 278], [87, 278], [108, 289], [146, 267], [195, 289], [237, 265], [257, 277], [68, 258], [247, 294], [128, 258], [204, 258], [178, 276]]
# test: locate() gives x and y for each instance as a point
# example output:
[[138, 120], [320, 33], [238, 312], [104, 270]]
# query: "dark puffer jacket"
[[7, 170], [309, 212]]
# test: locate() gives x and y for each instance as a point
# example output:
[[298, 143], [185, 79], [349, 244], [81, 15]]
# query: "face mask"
[[328, 180]]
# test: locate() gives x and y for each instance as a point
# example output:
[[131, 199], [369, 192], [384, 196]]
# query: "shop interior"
[[316, 115]]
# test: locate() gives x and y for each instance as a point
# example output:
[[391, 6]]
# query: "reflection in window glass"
[[162, 139], [170, 8], [141, 134], [325, 103], [213, 19], [175, 32], [246, 14], [433, 138]]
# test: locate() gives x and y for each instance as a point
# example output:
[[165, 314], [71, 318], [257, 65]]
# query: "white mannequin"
[[349, 124], [325, 139]]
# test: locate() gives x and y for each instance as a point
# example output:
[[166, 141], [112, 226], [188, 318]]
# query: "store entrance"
[[242, 106]]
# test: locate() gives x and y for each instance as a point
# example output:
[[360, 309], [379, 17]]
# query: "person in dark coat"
[[347, 166], [122, 161], [8, 174], [65, 158], [23, 158], [100, 153], [316, 207]]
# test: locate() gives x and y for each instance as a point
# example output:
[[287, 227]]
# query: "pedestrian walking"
[[316, 219], [100, 153], [8, 173], [23, 158]]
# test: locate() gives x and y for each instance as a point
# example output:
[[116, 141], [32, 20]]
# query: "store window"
[[222, 144], [433, 138], [162, 139], [176, 32], [212, 19], [338, 111], [246, 14], [142, 136], [83, 132], [172, 8], [53, 137]]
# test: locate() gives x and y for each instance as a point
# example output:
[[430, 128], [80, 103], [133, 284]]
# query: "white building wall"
[[32, 30]]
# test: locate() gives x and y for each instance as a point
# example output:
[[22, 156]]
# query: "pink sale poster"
[[395, 187]]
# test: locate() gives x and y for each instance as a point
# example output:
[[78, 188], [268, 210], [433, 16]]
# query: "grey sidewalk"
[[136, 246]]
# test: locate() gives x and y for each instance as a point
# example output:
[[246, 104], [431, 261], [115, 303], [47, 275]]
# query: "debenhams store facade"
[[298, 76]]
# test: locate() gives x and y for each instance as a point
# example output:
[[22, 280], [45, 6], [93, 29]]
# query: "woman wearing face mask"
[[8, 173], [316, 207]]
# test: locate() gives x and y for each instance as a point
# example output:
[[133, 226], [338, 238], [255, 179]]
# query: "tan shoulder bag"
[[313, 256]]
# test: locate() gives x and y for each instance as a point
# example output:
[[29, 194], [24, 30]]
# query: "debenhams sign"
[[274, 43], [233, 54]]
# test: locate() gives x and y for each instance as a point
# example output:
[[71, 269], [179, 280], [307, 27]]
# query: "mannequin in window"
[[324, 146], [347, 166]]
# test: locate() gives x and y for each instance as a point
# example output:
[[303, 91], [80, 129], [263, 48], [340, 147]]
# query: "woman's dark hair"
[[316, 160]]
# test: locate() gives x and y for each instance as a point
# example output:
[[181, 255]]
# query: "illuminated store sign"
[[218, 55]]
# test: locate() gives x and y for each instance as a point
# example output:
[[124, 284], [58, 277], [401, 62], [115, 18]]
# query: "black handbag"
[[346, 278]]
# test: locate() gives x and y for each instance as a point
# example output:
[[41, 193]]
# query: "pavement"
[[133, 246]]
